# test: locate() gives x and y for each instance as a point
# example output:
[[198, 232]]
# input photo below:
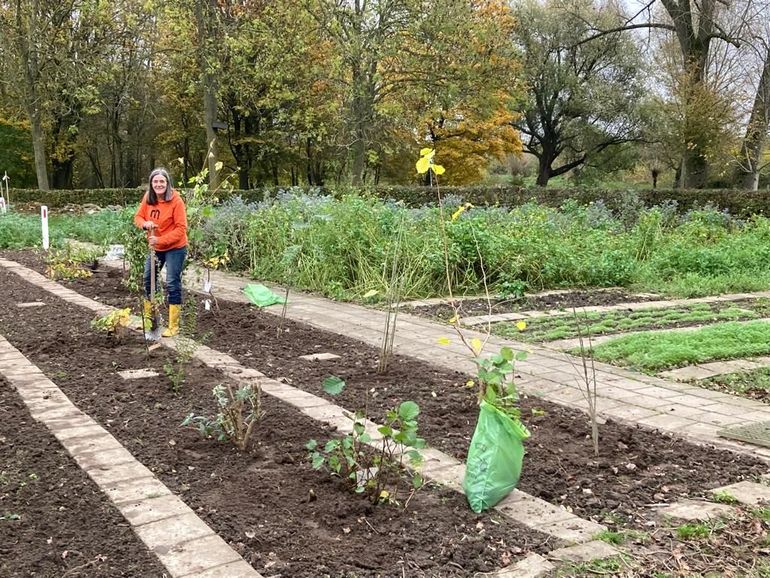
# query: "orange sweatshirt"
[[171, 218]]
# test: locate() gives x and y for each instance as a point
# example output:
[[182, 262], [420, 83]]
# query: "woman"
[[162, 214]]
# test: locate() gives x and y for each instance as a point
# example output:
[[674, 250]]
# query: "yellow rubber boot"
[[174, 311]]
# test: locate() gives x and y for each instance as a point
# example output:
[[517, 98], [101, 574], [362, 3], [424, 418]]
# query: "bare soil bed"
[[555, 300], [266, 493], [54, 521]]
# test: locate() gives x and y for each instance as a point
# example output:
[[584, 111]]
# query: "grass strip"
[[551, 328], [654, 352]]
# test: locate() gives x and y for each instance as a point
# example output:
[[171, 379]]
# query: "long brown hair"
[[152, 197]]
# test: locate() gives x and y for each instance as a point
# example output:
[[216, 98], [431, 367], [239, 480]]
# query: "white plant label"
[[44, 224]]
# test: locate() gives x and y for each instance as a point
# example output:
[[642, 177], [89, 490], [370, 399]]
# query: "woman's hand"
[[148, 225], [153, 240]]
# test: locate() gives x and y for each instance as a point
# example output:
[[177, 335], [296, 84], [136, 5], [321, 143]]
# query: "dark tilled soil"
[[284, 518], [54, 521], [545, 302], [636, 467]]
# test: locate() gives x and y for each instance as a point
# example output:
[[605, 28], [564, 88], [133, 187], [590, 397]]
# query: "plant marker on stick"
[[6, 178], [2, 205], [44, 219]]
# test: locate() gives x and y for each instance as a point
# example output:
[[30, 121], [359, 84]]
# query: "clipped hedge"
[[736, 202]]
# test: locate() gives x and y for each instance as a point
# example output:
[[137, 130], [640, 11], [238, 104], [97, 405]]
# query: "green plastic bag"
[[494, 459], [261, 296]]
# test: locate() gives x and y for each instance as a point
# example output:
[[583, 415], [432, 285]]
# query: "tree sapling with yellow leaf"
[[496, 451]]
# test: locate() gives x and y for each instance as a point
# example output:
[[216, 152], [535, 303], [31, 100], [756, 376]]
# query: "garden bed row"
[[55, 521], [636, 466], [282, 516]]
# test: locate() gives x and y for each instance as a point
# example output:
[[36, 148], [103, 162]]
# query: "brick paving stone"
[[574, 531], [168, 532], [669, 394], [646, 401], [666, 422], [585, 552], [696, 510], [116, 473], [91, 460], [304, 400], [86, 445], [520, 506], [532, 566], [197, 556], [135, 489], [153, 509], [631, 413], [327, 412], [749, 493], [238, 569], [687, 399], [78, 432], [690, 372], [679, 410], [718, 419]]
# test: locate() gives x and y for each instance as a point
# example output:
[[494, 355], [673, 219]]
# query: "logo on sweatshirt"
[[155, 214]]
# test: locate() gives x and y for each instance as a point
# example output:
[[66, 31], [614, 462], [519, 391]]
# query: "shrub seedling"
[[239, 410], [378, 472], [114, 323]]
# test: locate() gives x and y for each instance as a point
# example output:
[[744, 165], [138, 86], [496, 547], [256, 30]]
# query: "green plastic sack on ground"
[[261, 296], [494, 459]]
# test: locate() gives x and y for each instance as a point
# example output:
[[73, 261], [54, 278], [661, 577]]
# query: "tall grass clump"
[[708, 252]]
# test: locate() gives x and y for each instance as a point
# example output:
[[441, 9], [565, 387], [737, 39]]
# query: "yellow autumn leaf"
[[438, 169], [423, 165], [457, 213], [218, 166], [370, 293], [444, 341], [476, 345], [454, 319], [470, 383], [521, 325], [426, 151]]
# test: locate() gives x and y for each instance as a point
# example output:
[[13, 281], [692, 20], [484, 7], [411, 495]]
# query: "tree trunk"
[[694, 169], [756, 133], [38, 145], [544, 165], [205, 20], [26, 39]]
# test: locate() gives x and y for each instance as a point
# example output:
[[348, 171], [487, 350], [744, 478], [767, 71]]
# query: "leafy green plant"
[[176, 368], [376, 472], [239, 410], [114, 323], [495, 376]]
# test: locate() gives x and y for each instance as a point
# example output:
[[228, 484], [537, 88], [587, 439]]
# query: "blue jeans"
[[174, 260]]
